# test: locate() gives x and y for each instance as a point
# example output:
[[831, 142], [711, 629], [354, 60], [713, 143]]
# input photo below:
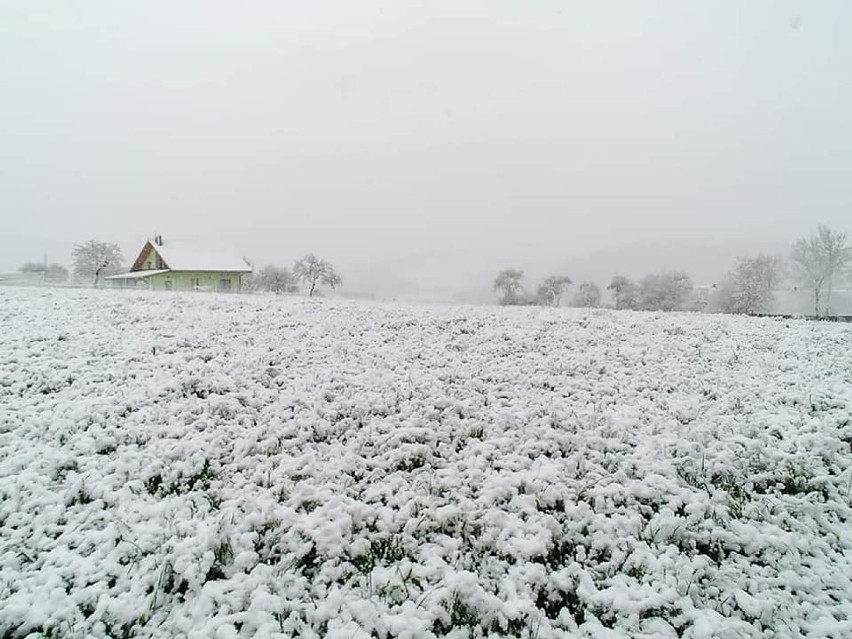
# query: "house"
[[179, 266]]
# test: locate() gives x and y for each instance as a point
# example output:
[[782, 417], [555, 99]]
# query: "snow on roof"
[[135, 275], [185, 256]]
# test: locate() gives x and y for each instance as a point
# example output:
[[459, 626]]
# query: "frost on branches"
[[748, 288]]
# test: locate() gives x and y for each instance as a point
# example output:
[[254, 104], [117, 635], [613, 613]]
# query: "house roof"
[[135, 275], [186, 256]]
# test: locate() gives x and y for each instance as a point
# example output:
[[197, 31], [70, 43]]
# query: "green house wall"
[[185, 281]]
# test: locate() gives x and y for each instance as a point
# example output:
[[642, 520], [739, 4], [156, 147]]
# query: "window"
[[224, 285], [168, 285]]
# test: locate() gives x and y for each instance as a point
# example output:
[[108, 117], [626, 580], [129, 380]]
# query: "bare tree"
[[96, 259], [551, 290], [748, 288], [819, 261], [665, 291], [588, 295], [313, 272], [508, 282], [626, 293]]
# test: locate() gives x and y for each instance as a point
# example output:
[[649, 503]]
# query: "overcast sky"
[[380, 134]]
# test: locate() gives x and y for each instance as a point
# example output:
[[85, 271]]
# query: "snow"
[[135, 275], [187, 256], [229, 466]]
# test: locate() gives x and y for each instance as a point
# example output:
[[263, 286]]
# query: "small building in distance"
[[799, 300], [180, 266]]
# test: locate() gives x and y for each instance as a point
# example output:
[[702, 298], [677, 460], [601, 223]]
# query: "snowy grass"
[[205, 466]]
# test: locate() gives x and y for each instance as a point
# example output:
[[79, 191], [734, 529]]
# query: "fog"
[[422, 146]]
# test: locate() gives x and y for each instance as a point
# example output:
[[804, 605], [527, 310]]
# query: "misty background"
[[421, 147]]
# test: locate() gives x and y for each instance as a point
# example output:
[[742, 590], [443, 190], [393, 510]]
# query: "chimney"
[[158, 240]]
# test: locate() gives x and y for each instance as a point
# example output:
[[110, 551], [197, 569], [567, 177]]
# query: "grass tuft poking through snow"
[[205, 466]]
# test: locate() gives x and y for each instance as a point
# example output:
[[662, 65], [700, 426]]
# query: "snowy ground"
[[205, 466]]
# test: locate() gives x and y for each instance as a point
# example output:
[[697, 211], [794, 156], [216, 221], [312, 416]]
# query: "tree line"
[[311, 272], [91, 260], [667, 291], [817, 264]]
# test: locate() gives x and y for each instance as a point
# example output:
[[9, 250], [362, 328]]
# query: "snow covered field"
[[205, 466]]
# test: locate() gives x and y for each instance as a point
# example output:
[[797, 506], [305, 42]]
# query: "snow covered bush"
[[207, 466]]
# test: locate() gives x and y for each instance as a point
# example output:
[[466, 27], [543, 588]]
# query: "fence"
[[813, 318]]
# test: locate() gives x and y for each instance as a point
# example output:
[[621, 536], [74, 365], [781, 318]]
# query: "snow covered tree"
[[50, 272], [748, 288], [313, 272], [94, 260], [32, 267], [665, 291], [551, 290], [508, 282], [821, 260], [699, 300], [626, 293], [275, 279], [588, 295]]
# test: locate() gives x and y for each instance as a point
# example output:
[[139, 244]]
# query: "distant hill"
[[466, 276], [706, 262], [21, 279]]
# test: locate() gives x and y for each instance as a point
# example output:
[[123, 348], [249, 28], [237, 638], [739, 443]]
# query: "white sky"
[[445, 137]]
